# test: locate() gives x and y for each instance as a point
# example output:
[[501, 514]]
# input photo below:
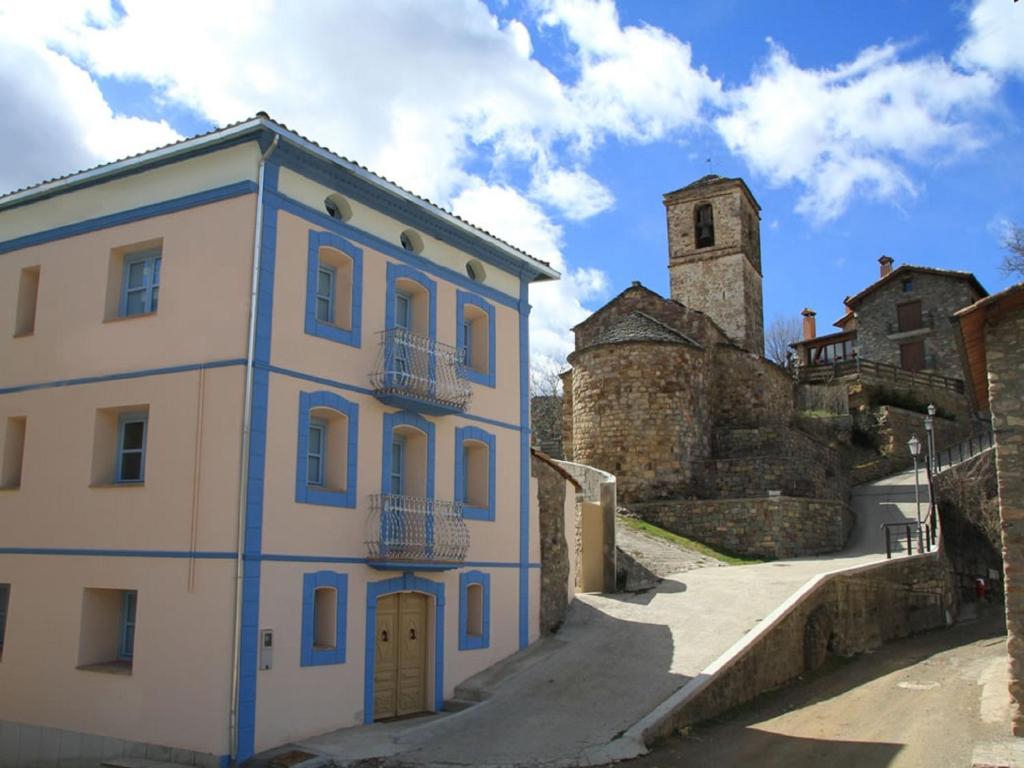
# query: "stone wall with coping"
[[879, 339], [753, 461], [775, 527], [1004, 342], [553, 487], [844, 613], [622, 396]]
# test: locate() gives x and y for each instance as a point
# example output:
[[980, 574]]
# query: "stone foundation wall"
[[752, 462], [749, 391], [640, 411], [845, 614], [552, 489], [567, 436], [1004, 342], [776, 527]]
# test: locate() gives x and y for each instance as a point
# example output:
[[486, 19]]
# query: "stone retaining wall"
[[553, 488], [844, 613], [749, 391], [775, 527]]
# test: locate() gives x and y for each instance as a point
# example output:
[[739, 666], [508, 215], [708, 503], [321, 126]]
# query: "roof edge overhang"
[[263, 130]]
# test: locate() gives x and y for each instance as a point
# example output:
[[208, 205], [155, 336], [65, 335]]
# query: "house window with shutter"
[[909, 316]]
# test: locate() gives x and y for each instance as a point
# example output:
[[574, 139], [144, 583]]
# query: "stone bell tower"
[[714, 255]]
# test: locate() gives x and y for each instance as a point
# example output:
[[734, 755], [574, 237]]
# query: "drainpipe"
[[246, 430]]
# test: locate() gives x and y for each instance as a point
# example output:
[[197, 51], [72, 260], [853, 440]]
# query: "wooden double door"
[[400, 655]]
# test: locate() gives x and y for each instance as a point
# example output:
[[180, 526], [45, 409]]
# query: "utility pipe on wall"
[[246, 430]]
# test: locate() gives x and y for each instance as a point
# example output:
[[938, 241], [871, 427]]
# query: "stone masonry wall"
[[749, 391], [752, 461], [940, 297], [567, 414], [1004, 343], [777, 527], [848, 613], [552, 488], [640, 411]]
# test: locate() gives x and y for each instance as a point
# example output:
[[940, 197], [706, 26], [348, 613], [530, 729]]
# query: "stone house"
[[902, 320], [674, 395], [992, 331]]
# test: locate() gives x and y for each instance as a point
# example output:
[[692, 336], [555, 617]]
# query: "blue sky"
[[862, 128]]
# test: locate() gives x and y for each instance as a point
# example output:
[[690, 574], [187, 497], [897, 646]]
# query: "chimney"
[[810, 326], [886, 265]]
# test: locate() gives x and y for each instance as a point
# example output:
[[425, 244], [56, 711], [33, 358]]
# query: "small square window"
[[107, 638], [13, 452], [324, 609], [908, 285], [119, 446]]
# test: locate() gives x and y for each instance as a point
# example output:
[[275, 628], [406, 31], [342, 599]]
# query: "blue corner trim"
[[462, 299], [407, 582], [462, 434], [253, 535], [334, 497], [402, 272], [321, 219], [524, 464], [311, 655], [353, 335], [406, 419], [120, 376], [468, 642], [135, 214]]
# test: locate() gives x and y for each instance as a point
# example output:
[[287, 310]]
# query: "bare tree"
[[546, 410], [780, 333], [1013, 261]]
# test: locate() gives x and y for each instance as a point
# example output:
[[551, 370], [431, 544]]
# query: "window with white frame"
[[475, 337], [5, 595], [119, 446], [327, 450], [131, 447], [334, 288], [140, 288]]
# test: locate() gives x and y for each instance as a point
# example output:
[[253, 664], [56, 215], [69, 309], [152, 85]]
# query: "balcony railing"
[[409, 529], [417, 371]]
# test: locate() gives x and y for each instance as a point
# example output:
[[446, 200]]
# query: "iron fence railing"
[[900, 537], [414, 529], [957, 454], [418, 367]]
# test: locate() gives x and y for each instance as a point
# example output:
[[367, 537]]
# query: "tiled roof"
[[905, 269], [637, 326]]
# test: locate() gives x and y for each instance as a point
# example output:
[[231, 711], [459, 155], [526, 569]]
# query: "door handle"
[[412, 633], [383, 635]]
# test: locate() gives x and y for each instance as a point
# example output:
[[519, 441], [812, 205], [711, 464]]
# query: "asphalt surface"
[[923, 701]]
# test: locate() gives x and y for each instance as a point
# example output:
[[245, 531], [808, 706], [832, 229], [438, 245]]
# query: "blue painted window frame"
[[311, 494], [332, 284], [396, 272], [5, 597], [311, 656], [126, 632], [314, 326], [462, 300], [406, 419], [123, 420], [462, 434], [468, 642], [319, 426], [151, 260]]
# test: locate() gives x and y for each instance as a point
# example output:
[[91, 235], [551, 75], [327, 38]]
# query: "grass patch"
[[681, 541]]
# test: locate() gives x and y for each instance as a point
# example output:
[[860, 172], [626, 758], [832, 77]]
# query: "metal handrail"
[[829, 371], [422, 368], [925, 536], [963, 451], [416, 529]]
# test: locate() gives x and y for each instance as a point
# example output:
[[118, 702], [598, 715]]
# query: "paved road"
[[614, 660], [923, 701]]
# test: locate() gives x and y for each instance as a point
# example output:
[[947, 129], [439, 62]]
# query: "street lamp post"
[[915, 450], [929, 428]]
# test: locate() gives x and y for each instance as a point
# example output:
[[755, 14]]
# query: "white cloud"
[[996, 38], [557, 306], [848, 131], [577, 194]]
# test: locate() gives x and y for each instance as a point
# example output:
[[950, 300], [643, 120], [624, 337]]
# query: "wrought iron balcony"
[[427, 533], [417, 372]]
